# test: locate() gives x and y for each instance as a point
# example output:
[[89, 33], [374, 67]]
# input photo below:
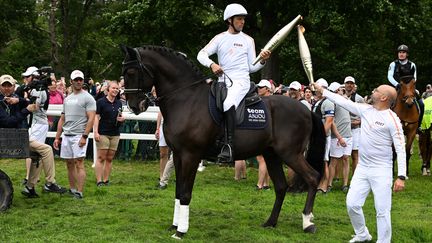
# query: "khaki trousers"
[[46, 161]]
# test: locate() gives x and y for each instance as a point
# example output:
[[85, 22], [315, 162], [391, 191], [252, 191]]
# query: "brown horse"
[[408, 112]]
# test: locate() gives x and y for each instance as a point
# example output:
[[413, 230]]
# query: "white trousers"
[[379, 180], [236, 92]]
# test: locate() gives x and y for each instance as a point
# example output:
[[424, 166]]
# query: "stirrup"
[[225, 155]]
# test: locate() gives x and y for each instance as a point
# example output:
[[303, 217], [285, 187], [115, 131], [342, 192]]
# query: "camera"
[[42, 80]]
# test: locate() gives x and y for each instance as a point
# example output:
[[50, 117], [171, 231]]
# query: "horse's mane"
[[171, 53], [406, 79]]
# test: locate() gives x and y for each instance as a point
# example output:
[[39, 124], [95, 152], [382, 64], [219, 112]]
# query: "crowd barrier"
[[149, 115]]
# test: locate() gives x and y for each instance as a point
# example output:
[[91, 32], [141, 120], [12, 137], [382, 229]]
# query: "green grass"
[[222, 210]]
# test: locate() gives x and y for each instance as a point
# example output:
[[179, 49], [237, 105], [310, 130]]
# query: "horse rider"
[[236, 52], [404, 67]]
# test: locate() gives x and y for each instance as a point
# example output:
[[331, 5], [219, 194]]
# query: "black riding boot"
[[227, 153]]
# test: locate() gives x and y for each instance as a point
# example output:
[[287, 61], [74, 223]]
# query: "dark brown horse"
[[408, 112], [190, 131]]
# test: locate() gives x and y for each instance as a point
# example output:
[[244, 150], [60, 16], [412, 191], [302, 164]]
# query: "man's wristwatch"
[[85, 136], [402, 177]]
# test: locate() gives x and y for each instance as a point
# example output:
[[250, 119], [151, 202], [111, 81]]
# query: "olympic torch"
[[305, 54], [280, 36]]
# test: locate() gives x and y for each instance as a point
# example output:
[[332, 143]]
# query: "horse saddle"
[[251, 107]]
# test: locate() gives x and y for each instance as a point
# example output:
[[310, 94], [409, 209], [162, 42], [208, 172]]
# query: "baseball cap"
[[264, 83], [29, 71], [322, 82], [295, 85], [77, 74], [349, 79], [334, 86], [7, 78]]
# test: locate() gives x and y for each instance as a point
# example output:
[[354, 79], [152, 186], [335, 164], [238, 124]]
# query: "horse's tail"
[[314, 156], [317, 144]]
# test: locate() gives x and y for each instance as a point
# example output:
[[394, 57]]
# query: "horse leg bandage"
[[176, 212], [307, 220], [183, 225]]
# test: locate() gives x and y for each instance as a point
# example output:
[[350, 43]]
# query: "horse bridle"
[[142, 69]]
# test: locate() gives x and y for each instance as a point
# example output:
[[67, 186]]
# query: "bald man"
[[381, 128]]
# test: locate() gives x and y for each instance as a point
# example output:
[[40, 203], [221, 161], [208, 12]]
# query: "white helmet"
[[233, 10]]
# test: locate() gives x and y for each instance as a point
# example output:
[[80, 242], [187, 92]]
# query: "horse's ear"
[[127, 50], [123, 48]]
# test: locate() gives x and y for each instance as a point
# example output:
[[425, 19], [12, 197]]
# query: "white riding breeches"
[[236, 92]]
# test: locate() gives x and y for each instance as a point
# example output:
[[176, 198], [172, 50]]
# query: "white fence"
[[149, 115]]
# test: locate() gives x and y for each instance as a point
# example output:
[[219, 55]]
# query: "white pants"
[[236, 92], [380, 181]]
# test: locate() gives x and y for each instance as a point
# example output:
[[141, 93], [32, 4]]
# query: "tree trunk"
[[52, 33]]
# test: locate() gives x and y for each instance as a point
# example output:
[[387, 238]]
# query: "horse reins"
[[144, 69]]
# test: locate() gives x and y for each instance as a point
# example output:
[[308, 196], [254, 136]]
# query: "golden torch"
[[277, 39], [305, 54]]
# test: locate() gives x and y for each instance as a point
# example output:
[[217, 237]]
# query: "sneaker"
[[100, 184], [345, 189], [357, 238], [24, 182], [107, 183], [29, 192], [72, 191], [53, 187], [161, 186], [78, 195], [266, 188]]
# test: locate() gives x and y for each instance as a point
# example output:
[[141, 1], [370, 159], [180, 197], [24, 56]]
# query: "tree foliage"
[[355, 38]]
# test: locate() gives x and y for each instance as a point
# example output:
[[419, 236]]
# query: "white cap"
[[322, 82], [334, 86], [295, 85], [349, 79], [30, 71], [77, 74], [7, 78], [234, 9], [264, 83]]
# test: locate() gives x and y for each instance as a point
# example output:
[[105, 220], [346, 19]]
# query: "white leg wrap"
[[307, 220], [176, 212], [183, 225]]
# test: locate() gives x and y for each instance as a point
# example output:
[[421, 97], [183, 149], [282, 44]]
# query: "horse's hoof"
[[178, 235], [268, 224], [310, 229], [172, 227]]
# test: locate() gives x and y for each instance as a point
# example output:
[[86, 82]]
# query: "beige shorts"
[[108, 142]]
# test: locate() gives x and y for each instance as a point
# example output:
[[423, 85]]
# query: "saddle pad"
[[255, 116]]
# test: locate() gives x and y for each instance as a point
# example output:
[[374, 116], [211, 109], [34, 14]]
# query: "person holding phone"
[[106, 132]]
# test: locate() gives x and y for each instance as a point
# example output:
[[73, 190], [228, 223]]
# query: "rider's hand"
[[216, 69], [265, 54]]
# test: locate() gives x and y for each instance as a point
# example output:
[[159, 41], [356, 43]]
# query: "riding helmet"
[[234, 9], [403, 48]]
